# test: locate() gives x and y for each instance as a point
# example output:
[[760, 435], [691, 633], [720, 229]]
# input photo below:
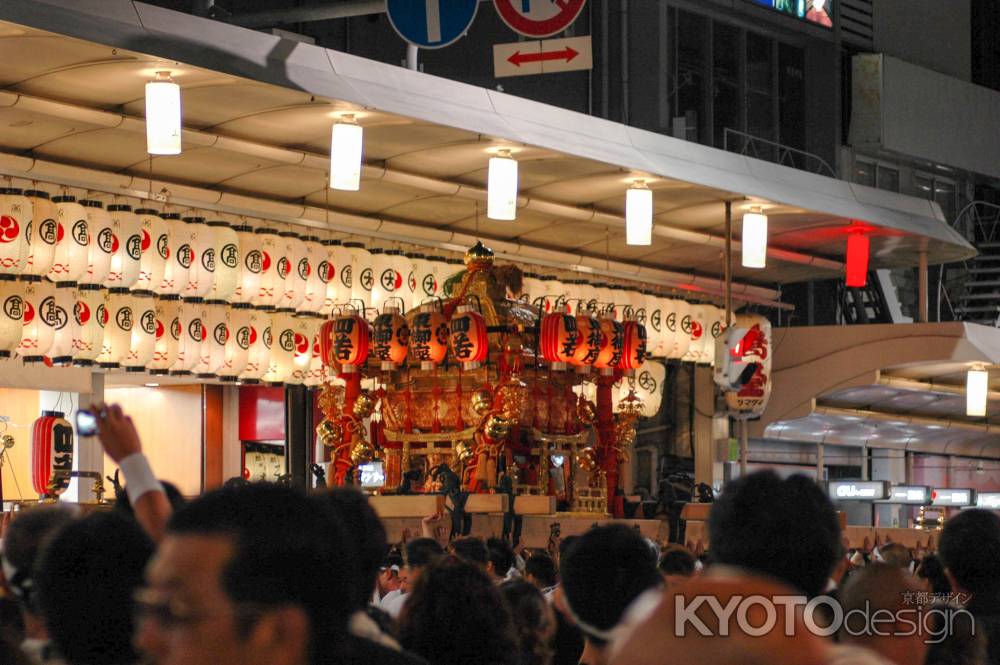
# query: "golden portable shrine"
[[486, 390]]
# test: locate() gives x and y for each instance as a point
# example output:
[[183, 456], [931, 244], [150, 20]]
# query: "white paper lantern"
[[318, 373], [573, 290], [118, 329], [64, 323], [606, 300], [360, 275], [102, 241], [445, 269], [15, 220], [282, 360], [636, 306], [272, 285], [670, 327], [649, 382], [38, 331], [342, 258], [501, 187], [654, 324], [294, 265], [717, 327], [155, 248], [699, 331], [403, 266], [328, 272], [532, 288], [237, 347], [168, 335], [425, 279], [72, 241], [259, 353], [126, 247], [213, 350], [192, 322], [227, 261], [306, 329], [180, 256], [202, 273], [386, 281], [143, 341], [41, 233], [314, 294], [682, 338], [163, 115], [251, 265], [11, 316], [88, 333], [346, 146], [619, 296]]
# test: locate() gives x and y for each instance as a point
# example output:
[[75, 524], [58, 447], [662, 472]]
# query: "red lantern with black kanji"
[[51, 453], [390, 339], [589, 339], [429, 339], [558, 339], [345, 342], [612, 345], [469, 343], [634, 348]]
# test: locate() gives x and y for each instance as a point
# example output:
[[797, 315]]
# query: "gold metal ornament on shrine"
[[362, 452], [587, 412], [497, 427], [482, 402], [7, 441], [464, 452], [364, 406], [330, 433], [587, 459]]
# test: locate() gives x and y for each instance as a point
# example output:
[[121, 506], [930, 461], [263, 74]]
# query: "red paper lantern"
[[469, 343], [345, 342], [612, 345], [429, 339], [858, 246], [390, 339], [51, 453], [634, 349], [589, 339], [558, 339]]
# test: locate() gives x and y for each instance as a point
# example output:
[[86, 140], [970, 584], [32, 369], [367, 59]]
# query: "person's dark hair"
[[677, 560], [455, 616], [86, 578], [962, 643], [603, 572], [174, 496], [471, 549], [970, 550], [542, 567], [11, 654], [294, 549], [565, 544], [501, 555], [787, 529], [23, 542], [896, 554], [423, 551], [386, 624], [932, 570], [11, 621], [533, 621], [365, 528]]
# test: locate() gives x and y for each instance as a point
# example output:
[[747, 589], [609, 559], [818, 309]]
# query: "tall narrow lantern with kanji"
[[559, 338], [390, 338], [468, 337], [51, 454]]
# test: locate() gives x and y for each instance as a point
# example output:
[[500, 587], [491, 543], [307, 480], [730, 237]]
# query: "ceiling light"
[[501, 192], [857, 258], [345, 154], [639, 214], [163, 116], [152, 385], [976, 387], [754, 239]]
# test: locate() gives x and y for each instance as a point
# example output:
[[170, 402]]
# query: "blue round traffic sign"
[[431, 23]]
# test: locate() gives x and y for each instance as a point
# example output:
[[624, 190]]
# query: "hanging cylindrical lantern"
[[64, 325], [259, 347], [282, 359], [678, 328], [251, 266], [126, 247], [426, 279], [573, 292], [38, 332], [754, 239], [155, 248], [163, 115], [167, 337], [386, 282], [143, 341], [202, 273], [606, 300], [639, 214], [227, 261], [41, 233], [649, 387], [51, 454], [589, 342], [295, 265], [191, 316], [347, 345], [237, 346], [532, 287], [342, 258], [272, 284], [306, 329], [120, 319], [72, 241], [468, 338], [501, 187], [717, 329], [390, 338], [213, 348], [328, 271], [634, 347], [637, 307], [558, 339], [698, 332], [403, 267], [346, 146], [314, 294], [429, 338], [654, 324], [101, 247], [11, 316], [15, 220], [317, 374], [180, 256], [360, 276], [612, 345]]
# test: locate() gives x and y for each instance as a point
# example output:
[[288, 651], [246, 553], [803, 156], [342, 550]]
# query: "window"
[[726, 80], [888, 178], [693, 59], [864, 173], [760, 92]]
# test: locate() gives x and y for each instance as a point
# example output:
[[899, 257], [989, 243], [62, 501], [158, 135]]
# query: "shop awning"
[[258, 111], [900, 387]]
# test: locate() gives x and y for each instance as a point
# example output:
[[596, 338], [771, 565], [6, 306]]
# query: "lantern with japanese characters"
[[180, 256], [168, 335], [237, 348], [192, 322], [101, 248], [649, 387], [11, 316], [654, 324], [718, 329], [60, 353], [388, 276], [51, 454], [637, 306], [40, 233], [558, 339], [272, 285], [634, 347], [429, 339], [38, 332], [15, 219], [306, 329], [697, 334], [425, 279], [259, 347], [282, 359], [318, 373], [346, 342], [328, 272], [612, 345], [685, 328], [227, 261], [126, 247], [72, 241], [315, 289], [341, 258], [143, 341], [361, 275], [390, 338], [468, 337], [676, 339], [294, 264], [213, 349], [88, 333], [155, 248], [251, 265], [118, 329], [753, 346], [589, 342], [202, 273]]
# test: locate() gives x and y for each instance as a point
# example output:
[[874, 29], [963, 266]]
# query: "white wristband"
[[139, 478]]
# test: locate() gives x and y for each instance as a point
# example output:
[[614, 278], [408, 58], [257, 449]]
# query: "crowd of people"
[[263, 573]]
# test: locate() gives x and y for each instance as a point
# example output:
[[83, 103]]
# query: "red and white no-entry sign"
[[539, 18]]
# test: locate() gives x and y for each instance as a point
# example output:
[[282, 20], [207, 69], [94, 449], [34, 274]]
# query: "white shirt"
[[393, 603]]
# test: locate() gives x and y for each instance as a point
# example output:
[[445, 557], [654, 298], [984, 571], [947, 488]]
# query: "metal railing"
[[771, 151], [978, 222]]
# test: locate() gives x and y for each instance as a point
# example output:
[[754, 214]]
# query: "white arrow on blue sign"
[[431, 23]]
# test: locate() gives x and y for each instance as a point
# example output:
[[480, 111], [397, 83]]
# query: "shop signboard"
[[988, 500], [914, 495], [858, 490], [954, 498]]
